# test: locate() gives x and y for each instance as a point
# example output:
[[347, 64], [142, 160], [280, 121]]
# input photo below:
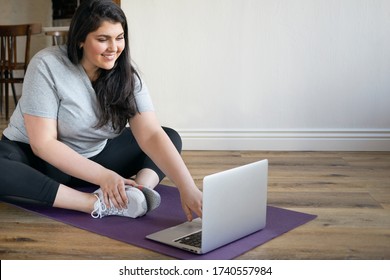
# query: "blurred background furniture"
[[59, 34], [14, 42]]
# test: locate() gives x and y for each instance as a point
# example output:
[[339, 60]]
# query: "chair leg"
[[1, 92], [14, 94], [1, 98], [13, 89], [6, 101]]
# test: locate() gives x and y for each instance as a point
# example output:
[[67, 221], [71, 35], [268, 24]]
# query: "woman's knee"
[[175, 138]]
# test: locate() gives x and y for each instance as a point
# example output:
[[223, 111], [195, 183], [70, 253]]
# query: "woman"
[[70, 127]]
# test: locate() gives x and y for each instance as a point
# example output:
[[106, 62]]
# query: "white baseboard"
[[299, 140]]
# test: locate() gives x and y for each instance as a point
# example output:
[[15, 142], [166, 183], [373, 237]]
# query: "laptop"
[[234, 206]]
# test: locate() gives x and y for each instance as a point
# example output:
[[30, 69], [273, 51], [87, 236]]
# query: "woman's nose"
[[113, 47]]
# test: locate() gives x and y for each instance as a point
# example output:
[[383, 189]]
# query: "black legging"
[[27, 178]]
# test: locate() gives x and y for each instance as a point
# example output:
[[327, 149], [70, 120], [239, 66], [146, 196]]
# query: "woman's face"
[[102, 48]]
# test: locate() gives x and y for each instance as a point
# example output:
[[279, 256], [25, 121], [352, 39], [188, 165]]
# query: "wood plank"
[[332, 200]]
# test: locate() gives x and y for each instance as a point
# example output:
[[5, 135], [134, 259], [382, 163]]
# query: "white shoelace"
[[101, 209]]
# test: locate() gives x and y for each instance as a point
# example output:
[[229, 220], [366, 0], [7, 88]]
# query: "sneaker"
[[136, 207], [153, 198]]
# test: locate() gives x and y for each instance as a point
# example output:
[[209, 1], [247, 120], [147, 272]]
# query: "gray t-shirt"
[[55, 88]]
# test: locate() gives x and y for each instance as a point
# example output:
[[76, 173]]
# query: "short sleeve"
[[39, 92], [142, 97]]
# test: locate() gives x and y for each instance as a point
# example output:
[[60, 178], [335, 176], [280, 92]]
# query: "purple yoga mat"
[[170, 213]]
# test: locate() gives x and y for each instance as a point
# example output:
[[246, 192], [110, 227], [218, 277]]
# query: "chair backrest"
[[8, 45], [58, 36]]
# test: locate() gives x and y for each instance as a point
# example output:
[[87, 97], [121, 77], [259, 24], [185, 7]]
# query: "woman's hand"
[[113, 187], [191, 201]]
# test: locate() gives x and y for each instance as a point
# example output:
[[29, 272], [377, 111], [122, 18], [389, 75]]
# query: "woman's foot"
[[153, 198], [136, 207]]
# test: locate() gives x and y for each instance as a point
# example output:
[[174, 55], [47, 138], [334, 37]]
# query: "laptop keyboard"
[[194, 239]]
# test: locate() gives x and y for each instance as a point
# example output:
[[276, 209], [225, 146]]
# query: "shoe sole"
[[153, 198]]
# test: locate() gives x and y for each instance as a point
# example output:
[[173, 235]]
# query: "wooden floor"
[[349, 191]]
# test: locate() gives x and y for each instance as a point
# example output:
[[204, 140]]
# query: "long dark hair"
[[115, 87]]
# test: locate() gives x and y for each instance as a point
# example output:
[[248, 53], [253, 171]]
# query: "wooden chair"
[[9, 62], [59, 37]]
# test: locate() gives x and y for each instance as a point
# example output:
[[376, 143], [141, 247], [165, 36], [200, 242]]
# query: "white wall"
[[267, 74]]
